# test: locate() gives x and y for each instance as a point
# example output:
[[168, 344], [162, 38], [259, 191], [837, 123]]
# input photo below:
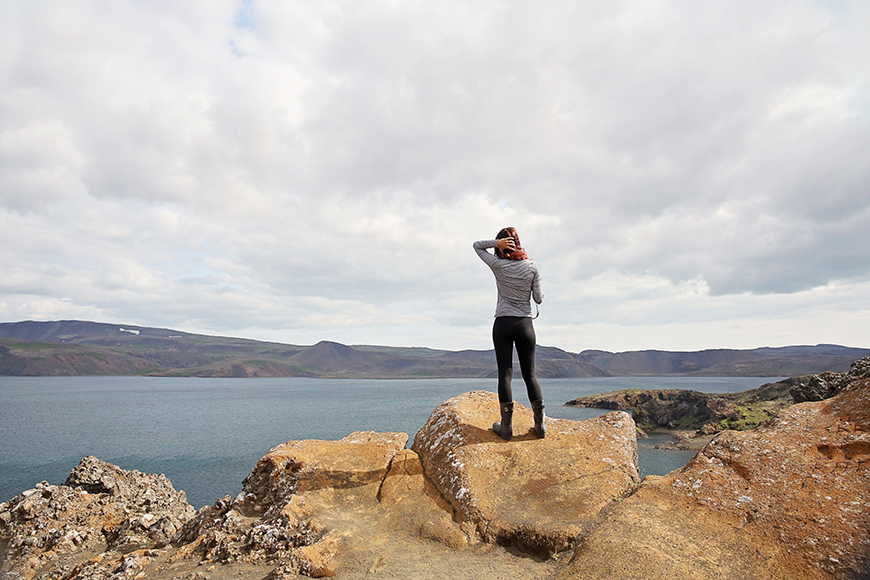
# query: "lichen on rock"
[[789, 499], [538, 495], [823, 386], [100, 509]]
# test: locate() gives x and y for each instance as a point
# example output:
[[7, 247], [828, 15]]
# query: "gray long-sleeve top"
[[518, 281]]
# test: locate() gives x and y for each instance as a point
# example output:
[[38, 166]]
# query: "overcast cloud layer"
[[687, 175]]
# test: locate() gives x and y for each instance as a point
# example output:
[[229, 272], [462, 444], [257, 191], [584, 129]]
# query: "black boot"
[[505, 428], [540, 418]]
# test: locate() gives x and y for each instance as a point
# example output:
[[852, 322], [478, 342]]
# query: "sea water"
[[207, 434]]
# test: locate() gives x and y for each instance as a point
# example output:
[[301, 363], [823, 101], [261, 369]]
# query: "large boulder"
[[537, 495], [354, 462], [313, 507], [289, 513], [789, 499]]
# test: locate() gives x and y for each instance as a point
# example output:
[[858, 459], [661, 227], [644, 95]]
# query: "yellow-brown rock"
[[538, 495], [358, 460], [790, 499], [314, 507], [413, 503], [294, 504]]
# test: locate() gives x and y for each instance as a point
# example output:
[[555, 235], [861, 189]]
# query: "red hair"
[[519, 253]]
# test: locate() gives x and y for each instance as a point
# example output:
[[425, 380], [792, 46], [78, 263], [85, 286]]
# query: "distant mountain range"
[[70, 347]]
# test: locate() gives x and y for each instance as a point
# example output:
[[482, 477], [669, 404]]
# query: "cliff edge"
[[789, 499]]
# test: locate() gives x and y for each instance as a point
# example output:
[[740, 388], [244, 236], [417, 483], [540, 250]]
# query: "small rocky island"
[[788, 499]]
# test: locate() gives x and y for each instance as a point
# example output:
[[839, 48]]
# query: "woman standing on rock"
[[518, 281]]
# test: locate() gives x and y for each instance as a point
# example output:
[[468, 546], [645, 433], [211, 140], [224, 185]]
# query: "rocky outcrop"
[[310, 507], [100, 509], [538, 495], [789, 499], [670, 409], [281, 516], [826, 385], [299, 467], [684, 410]]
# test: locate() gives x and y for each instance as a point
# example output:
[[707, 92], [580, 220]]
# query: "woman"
[[517, 279]]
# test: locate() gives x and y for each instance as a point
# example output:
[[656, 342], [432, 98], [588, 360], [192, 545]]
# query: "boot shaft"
[[540, 418], [504, 429]]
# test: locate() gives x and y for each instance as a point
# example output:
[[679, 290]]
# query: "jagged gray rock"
[[100, 508], [826, 385]]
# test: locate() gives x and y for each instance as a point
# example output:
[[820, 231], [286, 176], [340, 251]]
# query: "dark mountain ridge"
[[72, 347]]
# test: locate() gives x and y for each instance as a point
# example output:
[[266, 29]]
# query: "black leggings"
[[506, 332]]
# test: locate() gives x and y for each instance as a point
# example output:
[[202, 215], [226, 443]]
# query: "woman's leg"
[[504, 354], [525, 343]]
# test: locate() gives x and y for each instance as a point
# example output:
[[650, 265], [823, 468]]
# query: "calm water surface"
[[207, 434]]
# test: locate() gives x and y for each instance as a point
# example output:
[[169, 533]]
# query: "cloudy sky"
[[687, 175]]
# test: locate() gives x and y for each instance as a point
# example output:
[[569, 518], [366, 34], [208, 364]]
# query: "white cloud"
[[687, 175]]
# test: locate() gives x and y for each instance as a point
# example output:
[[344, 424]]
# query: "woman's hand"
[[506, 244]]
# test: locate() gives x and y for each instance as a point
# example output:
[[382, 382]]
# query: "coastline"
[[367, 503]]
